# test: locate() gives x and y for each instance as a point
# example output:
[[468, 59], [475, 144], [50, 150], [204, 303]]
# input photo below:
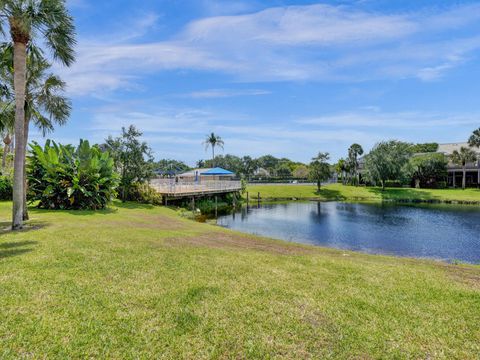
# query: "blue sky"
[[289, 78]]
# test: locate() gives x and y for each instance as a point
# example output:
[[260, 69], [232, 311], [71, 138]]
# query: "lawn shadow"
[[6, 227], [330, 194], [134, 205], [11, 249]]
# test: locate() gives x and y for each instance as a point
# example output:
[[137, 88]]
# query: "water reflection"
[[443, 232]]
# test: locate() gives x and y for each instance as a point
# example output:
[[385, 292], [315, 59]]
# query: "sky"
[[287, 78]]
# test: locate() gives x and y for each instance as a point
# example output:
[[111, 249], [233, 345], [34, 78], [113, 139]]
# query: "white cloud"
[[311, 42]]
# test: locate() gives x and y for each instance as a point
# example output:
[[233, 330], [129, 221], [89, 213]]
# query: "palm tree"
[[474, 141], [46, 21], [354, 152], [462, 158], [213, 141], [45, 104], [340, 168]]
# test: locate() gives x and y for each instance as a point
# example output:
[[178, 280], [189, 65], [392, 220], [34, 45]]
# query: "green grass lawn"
[[352, 193], [141, 282]]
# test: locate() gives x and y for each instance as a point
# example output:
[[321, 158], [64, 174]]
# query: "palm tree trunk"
[[19, 64], [464, 178], [25, 183], [213, 155]]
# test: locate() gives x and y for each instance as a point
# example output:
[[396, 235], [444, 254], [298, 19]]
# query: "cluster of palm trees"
[[348, 168], [29, 93]]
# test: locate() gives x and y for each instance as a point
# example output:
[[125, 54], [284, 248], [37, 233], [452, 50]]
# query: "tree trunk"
[[19, 64], [319, 185], [25, 183], [383, 185], [464, 178], [213, 155]]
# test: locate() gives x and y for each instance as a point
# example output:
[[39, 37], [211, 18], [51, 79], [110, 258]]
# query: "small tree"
[[320, 169], [462, 158], [386, 161], [301, 172], [133, 159]]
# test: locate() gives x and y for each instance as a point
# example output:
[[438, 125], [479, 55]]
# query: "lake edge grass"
[[344, 193]]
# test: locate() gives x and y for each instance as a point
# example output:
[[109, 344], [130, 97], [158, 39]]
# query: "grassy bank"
[[140, 282], [351, 193]]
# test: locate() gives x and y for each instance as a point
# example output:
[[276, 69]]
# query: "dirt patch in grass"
[[237, 241], [148, 222], [464, 275]]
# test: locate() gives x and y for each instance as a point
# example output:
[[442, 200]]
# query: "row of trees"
[[266, 166]]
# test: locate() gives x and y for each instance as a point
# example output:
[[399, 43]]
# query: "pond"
[[448, 232]]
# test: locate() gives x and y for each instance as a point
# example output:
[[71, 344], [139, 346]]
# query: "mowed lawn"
[[352, 193], [140, 282]]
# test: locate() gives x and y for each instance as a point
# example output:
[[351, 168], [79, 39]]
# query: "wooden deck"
[[171, 189]]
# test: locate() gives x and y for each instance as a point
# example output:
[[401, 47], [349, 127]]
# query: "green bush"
[[144, 193], [6, 188], [65, 177]]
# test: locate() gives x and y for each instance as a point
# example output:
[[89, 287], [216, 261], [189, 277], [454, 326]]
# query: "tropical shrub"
[[6, 188], [144, 193], [65, 177]]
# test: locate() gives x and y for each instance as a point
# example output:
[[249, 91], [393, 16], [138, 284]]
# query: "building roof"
[[207, 172], [449, 148], [217, 171]]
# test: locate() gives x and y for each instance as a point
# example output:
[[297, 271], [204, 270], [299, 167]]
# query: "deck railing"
[[172, 187]]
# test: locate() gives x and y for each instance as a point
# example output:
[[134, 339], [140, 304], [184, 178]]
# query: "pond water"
[[445, 232]]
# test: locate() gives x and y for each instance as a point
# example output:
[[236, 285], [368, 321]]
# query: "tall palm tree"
[[474, 141], [462, 158], [45, 104], [354, 152], [213, 141], [46, 21]]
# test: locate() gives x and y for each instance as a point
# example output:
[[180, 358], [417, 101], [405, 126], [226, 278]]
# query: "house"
[[205, 174], [455, 171]]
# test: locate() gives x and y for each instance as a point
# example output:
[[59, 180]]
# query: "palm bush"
[[65, 177]]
